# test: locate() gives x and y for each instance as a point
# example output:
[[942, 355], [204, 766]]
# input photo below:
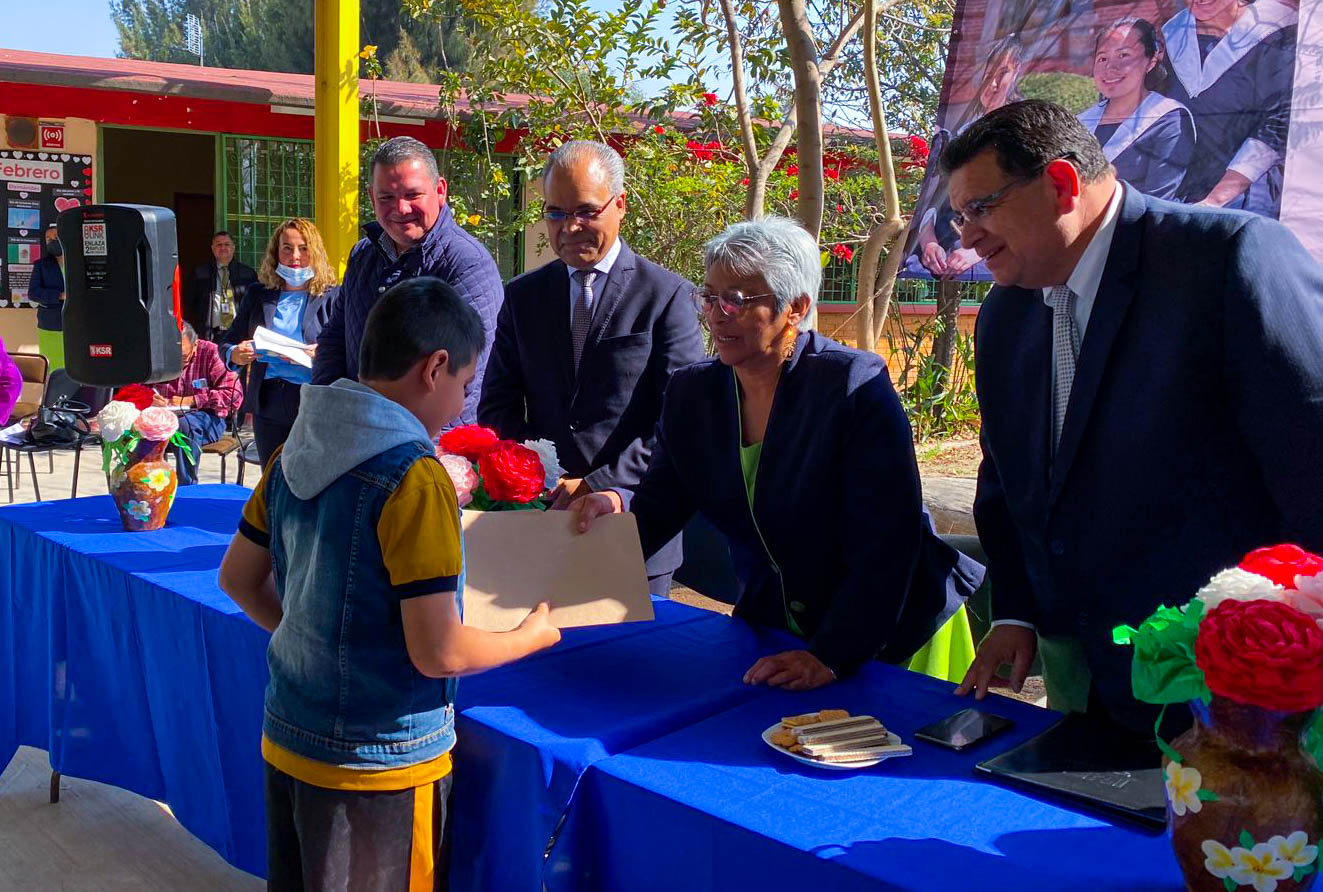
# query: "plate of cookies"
[[835, 740]]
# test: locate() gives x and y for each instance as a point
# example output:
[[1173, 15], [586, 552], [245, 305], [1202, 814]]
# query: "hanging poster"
[[1196, 101], [34, 188]]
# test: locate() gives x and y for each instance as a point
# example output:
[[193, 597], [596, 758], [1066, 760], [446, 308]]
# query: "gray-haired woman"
[[797, 450]]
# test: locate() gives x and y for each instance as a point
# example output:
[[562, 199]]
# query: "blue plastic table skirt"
[[120, 655], [712, 807]]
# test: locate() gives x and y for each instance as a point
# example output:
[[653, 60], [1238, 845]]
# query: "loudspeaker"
[[121, 308]]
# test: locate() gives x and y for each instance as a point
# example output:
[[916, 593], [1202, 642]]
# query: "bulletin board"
[[34, 188]]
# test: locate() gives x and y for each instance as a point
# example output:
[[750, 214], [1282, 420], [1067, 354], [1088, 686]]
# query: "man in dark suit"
[[585, 344], [1152, 393], [217, 289]]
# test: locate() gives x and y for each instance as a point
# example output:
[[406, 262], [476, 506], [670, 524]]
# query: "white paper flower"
[[1217, 859], [1183, 783], [1294, 849], [461, 474], [140, 511], [1239, 585], [1259, 867], [551, 469], [1308, 596], [115, 419]]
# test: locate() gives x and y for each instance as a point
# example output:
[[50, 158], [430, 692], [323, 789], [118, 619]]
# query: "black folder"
[[1091, 761]]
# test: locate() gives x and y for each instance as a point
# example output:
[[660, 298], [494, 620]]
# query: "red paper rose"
[[1282, 563], [511, 473], [471, 441], [140, 395], [1262, 653]]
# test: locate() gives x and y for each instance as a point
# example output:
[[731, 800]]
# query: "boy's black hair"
[[1027, 136], [412, 321]]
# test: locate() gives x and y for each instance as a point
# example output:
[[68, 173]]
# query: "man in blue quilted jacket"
[[415, 235]]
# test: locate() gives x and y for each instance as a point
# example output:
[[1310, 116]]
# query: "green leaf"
[[1163, 669], [1300, 873], [1206, 796], [1229, 884], [1246, 840]]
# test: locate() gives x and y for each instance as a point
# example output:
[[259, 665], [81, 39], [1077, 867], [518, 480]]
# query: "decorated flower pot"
[[1244, 790], [144, 490], [140, 481], [1244, 806]]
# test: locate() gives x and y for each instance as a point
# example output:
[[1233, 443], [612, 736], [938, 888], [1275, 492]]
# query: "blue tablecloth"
[[634, 747], [712, 807]]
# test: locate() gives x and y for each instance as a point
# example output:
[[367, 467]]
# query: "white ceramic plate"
[[892, 738]]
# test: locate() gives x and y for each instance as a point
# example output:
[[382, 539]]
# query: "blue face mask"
[[296, 277]]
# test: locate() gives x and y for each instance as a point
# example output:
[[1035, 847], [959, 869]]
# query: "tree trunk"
[[948, 314], [877, 301], [808, 110]]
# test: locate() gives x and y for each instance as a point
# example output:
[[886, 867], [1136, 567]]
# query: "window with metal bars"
[[269, 180]]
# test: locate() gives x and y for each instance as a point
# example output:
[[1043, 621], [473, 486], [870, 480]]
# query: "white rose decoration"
[[116, 419], [551, 469], [1239, 585]]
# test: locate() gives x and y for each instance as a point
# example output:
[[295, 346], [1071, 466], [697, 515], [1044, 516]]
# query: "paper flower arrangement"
[[491, 474]]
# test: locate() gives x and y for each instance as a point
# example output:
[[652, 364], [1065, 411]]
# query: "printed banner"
[[1197, 101], [34, 188]]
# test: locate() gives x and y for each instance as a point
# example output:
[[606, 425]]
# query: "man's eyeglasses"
[[732, 303], [556, 215], [978, 208]]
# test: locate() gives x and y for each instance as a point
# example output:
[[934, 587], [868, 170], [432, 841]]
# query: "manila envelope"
[[513, 560]]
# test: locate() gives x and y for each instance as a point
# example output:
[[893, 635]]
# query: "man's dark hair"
[[219, 232], [401, 150], [1027, 136], [412, 321]]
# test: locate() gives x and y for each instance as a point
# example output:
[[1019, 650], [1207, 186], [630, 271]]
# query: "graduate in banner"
[[1234, 63], [937, 248], [1148, 137]]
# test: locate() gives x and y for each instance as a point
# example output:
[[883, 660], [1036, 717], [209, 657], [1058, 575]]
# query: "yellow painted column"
[[336, 72]]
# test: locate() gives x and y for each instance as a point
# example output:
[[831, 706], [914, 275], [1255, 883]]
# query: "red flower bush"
[[792, 170], [1262, 653], [794, 193], [709, 99], [843, 252], [140, 395], [511, 473], [471, 441], [831, 173], [704, 151], [658, 129], [1282, 563]]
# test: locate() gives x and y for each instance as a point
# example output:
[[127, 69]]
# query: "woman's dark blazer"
[[252, 313], [837, 503]]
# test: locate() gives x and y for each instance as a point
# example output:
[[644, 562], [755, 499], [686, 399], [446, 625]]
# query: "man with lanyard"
[[218, 288], [415, 235]]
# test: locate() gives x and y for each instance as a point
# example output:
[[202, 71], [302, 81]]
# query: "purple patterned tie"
[[1065, 348], [583, 312]]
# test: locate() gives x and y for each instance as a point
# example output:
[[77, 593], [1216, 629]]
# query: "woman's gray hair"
[[776, 248], [576, 150], [401, 150]]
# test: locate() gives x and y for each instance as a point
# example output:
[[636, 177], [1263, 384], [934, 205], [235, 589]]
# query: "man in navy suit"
[[584, 345], [1151, 382]]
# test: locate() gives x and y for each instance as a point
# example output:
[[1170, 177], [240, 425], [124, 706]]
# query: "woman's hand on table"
[[794, 670], [593, 506]]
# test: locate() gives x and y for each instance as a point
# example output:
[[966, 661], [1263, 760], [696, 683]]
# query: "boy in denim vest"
[[349, 553]]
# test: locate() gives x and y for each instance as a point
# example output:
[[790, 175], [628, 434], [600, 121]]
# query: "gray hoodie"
[[340, 426]]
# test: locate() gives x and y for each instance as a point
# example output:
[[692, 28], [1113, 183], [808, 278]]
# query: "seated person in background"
[[11, 383], [797, 450], [367, 641], [207, 391]]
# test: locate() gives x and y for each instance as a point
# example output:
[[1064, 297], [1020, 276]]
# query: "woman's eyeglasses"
[[732, 303], [556, 215]]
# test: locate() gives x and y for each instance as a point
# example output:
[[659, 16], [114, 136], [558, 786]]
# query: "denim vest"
[[343, 690]]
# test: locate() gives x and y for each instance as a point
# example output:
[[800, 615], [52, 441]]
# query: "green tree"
[[277, 35]]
